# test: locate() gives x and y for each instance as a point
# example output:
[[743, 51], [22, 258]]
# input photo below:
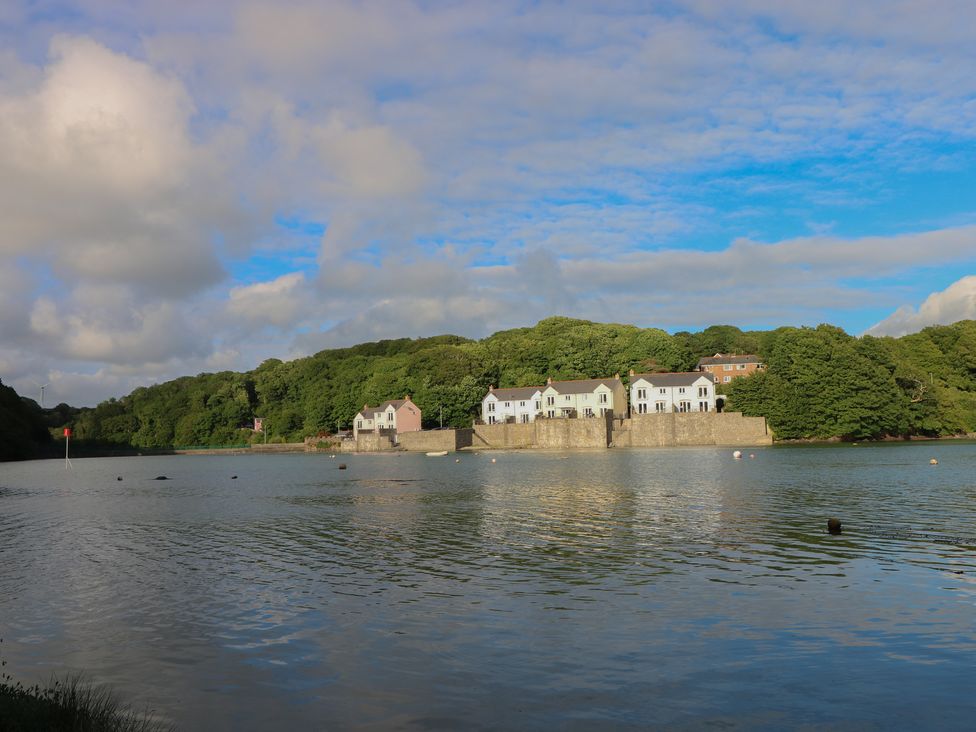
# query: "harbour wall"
[[685, 429]]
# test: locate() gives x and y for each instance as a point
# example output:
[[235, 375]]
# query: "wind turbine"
[[42, 387]]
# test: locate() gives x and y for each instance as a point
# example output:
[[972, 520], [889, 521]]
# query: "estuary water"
[[579, 590]]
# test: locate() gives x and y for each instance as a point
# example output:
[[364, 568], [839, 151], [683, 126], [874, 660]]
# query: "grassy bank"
[[71, 705]]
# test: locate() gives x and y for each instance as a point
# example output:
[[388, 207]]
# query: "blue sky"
[[203, 188]]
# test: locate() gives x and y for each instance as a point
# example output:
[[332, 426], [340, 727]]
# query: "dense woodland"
[[820, 383]]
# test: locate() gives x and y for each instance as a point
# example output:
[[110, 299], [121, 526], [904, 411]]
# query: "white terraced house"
[[692, 391], [521, 404], [584, 398]]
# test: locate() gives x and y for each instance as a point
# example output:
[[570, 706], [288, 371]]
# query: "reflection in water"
[[590, 589]]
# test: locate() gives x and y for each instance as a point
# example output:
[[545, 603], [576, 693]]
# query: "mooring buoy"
[[119, 477], [737, 454], [160, 477], [342, 466], [233, 477], [833, 525], [933, 461]]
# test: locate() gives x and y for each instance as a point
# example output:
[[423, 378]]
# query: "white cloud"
[[956, 302]]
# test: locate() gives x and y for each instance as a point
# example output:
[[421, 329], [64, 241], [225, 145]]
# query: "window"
[[642, 408], [662, 391], [684, 406], [726, 379], [727, 367], [551, 413], [568, 397], [507, 405], [521, 404], [588, 412], [642, 393], [681, 390], [359, 424], [525, 418], [550, 400], [491, 419], [703, 391], [538, 404], [660, 406], [741, 367], [702, 406], [491, 406], [603, 398]]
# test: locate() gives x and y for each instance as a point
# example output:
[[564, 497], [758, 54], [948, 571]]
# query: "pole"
[[67, 439], [442, 416]]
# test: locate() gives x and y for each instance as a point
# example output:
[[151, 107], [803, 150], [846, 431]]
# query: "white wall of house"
[[590, 404], [374, 420], [648, 398], [495, 410]]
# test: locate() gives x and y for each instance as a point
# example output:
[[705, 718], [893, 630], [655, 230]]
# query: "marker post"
[[67, 439]]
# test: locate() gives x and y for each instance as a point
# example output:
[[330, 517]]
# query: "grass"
[[69, 705]]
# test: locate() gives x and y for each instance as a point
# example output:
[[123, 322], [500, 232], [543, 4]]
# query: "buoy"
[[457, 460], [160, 477], [737, 454], [332, 456], [933, 461], [752, 455], [342, 466], [119, 478], [833, 525], [233, 477], [493, 459]]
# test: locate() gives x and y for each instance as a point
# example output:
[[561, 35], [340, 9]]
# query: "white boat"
[[442, 453]]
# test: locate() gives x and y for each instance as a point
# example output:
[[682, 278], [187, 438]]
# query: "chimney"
[[617, 376], [548, 381], [406, 398], [631, 372], [491, 387]]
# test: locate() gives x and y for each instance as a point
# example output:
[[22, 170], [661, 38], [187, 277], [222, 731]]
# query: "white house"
[[521, 404], [681, 392], [401, 415], [584, 398]]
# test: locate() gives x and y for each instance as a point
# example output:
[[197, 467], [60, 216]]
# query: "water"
[[616, 589]]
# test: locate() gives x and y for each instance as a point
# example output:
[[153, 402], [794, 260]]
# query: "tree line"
[[819, 383]]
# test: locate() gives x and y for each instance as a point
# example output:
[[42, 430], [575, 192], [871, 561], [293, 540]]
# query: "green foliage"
[[820, 382], [23, 430]]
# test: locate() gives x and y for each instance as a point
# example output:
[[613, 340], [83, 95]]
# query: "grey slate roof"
[[369, 411], [516, 394], [721, 358], [684, 378], [581, 386]]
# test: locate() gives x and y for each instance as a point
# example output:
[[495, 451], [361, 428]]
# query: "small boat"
[[442, 453]]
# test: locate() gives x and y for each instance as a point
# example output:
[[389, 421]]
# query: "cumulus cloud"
[[956, 302]]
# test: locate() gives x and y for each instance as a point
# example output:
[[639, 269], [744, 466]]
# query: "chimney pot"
[[631, 372]]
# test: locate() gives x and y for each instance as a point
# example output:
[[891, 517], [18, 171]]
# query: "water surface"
[[610, 589]]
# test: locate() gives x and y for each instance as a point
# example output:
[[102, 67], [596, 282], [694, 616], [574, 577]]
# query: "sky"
[[190, 187]]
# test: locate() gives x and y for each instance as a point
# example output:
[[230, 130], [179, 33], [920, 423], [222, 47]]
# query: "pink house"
[[401, 415]]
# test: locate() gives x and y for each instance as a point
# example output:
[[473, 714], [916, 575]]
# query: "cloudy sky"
[[190, 187]]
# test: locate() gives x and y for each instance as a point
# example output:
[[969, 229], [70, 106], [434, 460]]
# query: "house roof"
[[581, 386], [521, 392], [683, 378], [722, 358], [368, 410]]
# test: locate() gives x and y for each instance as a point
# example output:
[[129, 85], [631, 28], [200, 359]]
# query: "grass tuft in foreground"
[[70, 705]]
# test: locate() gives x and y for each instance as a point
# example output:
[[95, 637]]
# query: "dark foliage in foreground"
[[71, 705]]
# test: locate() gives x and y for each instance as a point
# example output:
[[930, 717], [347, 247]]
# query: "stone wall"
[[368, 442], [571, 433], [691, 429], [435, 440], [503, 436]]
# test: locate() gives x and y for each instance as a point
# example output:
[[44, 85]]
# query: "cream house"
[[400, 415], [584, 398], [692, 391], [521, 404]]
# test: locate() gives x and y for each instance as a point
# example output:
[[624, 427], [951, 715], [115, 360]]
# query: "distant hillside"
[[23, 433], [820, 382]]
